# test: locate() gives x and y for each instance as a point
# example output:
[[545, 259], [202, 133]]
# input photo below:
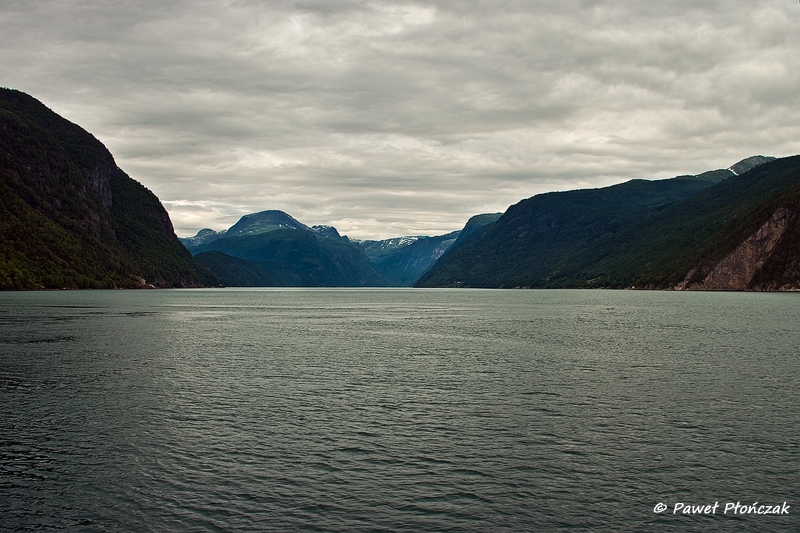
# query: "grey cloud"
[[389, 118]]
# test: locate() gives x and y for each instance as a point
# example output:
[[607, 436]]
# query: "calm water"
[[397, 410]]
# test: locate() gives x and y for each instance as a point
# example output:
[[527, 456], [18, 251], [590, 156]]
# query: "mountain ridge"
[[242, 257], [287, 256], [568, 241]]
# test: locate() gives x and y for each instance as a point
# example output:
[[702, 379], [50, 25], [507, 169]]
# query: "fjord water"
[[396, 410]]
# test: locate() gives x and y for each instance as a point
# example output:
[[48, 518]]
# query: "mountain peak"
[[264, 221], [328, 232], [477, 221], [749, 163]]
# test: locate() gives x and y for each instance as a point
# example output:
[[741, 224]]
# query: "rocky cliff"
[[70, 218], [735, 272]]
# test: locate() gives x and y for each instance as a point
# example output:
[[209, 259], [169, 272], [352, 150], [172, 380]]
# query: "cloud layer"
[[397, 118]]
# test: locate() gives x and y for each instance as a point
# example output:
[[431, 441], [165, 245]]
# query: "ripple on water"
[[394, 410]]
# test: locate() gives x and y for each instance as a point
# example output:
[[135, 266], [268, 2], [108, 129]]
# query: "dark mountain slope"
[[255, 223], [403, 260], [739, 233], [476, 226], [524, 245], [264, 221], [69, 218], [235, 272], [686, 241], [298, 257], [144, 230]]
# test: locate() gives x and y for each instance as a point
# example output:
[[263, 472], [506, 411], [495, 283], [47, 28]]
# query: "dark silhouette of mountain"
[[234, 272], [280, 251], [475, 227], [203, 236], [258, 223], [657, 234], [290, 253], [329, 232], [70, 218], [402, 260], [264, 221], [479, 221], [740, 234]]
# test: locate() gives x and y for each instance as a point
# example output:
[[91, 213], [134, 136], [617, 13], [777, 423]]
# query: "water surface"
[[396, 410]]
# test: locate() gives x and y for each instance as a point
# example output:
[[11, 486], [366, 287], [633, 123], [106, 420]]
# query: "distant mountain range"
[[271, 248], [69, 218], [288, 257], [729, 229], [402, 260]]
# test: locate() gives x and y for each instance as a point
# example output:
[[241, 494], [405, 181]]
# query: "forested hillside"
[[715, 231], [69, 218]]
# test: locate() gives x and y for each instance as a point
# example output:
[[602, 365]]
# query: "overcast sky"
[[406, 118]]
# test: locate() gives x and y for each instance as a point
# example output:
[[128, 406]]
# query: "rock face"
[[70, 218], [736, 270]]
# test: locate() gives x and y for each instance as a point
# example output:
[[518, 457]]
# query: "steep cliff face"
[[735, 272], [70, 218], [99, 180]]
